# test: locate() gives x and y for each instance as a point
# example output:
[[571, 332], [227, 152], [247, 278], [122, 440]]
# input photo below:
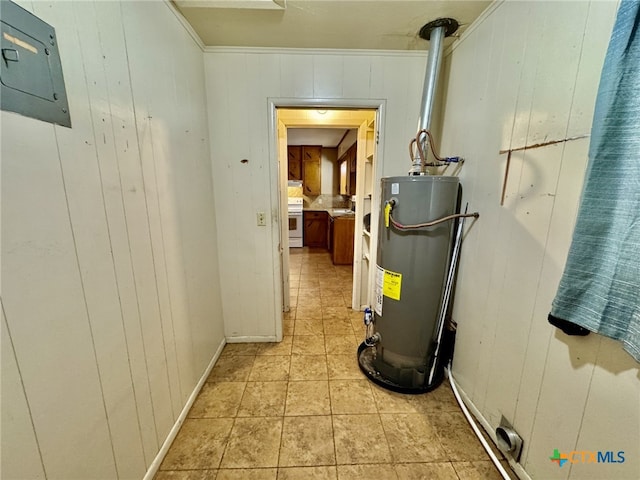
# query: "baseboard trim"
[[250, 339], [490, 432], [155, 465]]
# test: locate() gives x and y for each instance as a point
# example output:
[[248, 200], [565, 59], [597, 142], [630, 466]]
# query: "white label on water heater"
[[379, 288], [395, 188]]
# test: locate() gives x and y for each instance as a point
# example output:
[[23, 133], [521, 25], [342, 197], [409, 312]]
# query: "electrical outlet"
[[262, 219]]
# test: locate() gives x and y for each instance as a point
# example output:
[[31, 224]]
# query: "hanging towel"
[[600, 286]]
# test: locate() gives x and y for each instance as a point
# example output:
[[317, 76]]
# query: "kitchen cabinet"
[[304, 163], [311, 156], [295, 162], [315, 226], [348, 167], [342, 242]]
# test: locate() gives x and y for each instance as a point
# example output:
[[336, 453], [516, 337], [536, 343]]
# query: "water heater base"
[[365, 361]]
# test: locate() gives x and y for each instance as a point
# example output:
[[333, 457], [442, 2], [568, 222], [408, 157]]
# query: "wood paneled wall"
[[111, 306], [528, 73], [240, 83]]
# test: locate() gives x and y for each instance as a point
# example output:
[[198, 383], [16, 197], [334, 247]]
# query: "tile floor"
[[301, 409]]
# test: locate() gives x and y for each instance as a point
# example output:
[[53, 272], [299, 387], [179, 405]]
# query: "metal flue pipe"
[[431, 78], [435, 32]]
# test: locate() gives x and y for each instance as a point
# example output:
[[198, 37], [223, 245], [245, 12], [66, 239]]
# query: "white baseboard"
[[490, 431], [248, 339], [155, 465]]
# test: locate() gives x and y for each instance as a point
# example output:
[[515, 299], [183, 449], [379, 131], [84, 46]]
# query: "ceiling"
[[327, 137], [340, 24]]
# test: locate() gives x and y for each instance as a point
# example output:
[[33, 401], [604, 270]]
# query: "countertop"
[[334, 212]]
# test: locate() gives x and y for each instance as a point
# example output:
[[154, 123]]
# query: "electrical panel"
[[31, 74]]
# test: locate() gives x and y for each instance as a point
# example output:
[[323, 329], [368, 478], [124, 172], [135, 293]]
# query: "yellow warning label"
[[392, 284]]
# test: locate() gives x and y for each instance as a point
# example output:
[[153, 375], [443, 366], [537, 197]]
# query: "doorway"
[[364, 121]]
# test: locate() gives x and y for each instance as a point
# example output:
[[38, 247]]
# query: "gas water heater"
[[411, 273], [407, 343], [410, 279]]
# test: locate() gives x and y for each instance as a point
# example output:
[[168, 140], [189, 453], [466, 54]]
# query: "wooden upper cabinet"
[[353, 158], [295, 163], [311, 169]]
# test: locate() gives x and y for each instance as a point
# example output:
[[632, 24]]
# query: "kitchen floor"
[[301, 409]]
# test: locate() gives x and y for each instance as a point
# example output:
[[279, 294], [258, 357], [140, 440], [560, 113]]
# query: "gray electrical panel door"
[[31, 73]]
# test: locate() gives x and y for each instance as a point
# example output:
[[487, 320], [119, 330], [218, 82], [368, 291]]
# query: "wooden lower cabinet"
[[343, 229], [315, 225]]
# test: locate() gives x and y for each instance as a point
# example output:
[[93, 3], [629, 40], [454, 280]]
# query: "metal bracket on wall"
[[528, 147]]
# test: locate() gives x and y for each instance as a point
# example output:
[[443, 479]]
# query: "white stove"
[[295, 221]]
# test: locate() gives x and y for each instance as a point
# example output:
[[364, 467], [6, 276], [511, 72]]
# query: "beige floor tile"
[[288, 326], [253, 443], [457, 437], [303, 379], [330, 292], [270, 368], [263, 399], [308, 345], [218, 400], [358, 329], [337, 326], [239, 349], [351, 396], [307, 441], [439, 400], [308, 313], [309, 327], [234, 368], [426, 471], [309, 300], [186, 475], [308, 367], [412, 438], [340, 344], [248, 474], [360, 439], [308, 398], [338, 301], [307, 473], [309, 292], [344, 367], [341, 313], [393, 402], [366, 472], [478, 470], [198, 445], [276, 348]]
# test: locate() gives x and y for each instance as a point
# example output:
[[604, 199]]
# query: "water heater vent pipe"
[[435, 32]]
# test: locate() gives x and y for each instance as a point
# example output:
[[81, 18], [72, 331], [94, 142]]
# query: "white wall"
[[239, 84], [110, 287], [528, 73]]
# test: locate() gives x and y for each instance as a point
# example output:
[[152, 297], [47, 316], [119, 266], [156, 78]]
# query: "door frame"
[[278, 179]]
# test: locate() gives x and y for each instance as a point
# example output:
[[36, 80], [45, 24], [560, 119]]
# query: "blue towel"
[[600, 286]]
